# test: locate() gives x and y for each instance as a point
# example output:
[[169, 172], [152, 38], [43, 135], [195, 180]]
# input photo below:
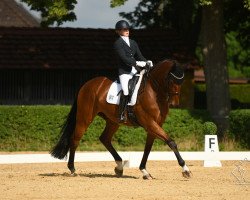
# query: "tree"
[[237, 26], [56, 11], [184, 16], [215, 62], [213, 41]]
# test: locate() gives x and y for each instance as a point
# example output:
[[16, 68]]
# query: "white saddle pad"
[[113, 96]]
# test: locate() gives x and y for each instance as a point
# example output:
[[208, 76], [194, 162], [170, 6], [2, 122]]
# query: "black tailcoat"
[[127, 55]]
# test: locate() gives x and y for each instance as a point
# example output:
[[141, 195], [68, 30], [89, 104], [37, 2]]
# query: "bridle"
[[171, 78]]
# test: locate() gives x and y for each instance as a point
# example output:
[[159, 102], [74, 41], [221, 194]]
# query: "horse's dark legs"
[[157, 131], [76, 137], [147, 149], [106, 138], [185, 171], [72, 158], [171, 143], [80, 128]]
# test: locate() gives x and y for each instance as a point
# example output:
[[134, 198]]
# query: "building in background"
[[13, 14], [48, 65]]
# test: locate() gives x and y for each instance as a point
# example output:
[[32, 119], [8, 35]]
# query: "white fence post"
[[211, 151]]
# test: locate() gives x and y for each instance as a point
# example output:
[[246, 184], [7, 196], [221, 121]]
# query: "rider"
[[130, 62]]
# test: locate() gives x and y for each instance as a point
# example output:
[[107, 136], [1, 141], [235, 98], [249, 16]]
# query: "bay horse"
[[161, 88]]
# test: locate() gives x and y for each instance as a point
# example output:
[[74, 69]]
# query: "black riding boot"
[[122, 107]]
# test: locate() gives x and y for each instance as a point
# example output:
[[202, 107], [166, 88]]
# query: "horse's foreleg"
[[185, 171], [158, 132], [147, 149], [106, 138]]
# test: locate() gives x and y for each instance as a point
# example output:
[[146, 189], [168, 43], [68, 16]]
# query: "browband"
[[177, 76]]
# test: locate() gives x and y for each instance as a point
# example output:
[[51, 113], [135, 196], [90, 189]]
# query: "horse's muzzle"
[[174, 101]]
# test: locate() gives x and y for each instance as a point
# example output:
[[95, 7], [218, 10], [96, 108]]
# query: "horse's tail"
[[61, 149]]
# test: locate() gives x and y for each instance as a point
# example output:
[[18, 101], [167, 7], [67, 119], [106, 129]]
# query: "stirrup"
[[123, 118]]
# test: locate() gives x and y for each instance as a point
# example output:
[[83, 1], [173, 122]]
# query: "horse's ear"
[[173, 69], [176, 69]]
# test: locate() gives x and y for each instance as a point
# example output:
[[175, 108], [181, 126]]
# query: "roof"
[[81, 48], [199, 77], [13, 14]]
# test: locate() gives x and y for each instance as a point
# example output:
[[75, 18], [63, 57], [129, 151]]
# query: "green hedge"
[[240, 96], [240, 126], [36, 128], [30, 127]]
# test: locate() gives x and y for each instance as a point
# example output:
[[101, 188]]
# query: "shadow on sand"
[[88, 175]]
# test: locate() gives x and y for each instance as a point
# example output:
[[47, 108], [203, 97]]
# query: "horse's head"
[[167, 77], [175, 78]]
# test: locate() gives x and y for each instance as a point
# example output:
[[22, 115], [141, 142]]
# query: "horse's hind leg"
[[79, 131], [84, 118], [106, 138]]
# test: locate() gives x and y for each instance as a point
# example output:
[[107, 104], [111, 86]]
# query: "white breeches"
[[124, 79]]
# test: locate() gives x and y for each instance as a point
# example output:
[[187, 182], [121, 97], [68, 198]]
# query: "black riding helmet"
[[122, 24]]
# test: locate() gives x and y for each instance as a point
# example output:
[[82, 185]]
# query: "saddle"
[[113, 96], [131, 86]]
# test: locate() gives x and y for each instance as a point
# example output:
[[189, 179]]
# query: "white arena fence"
[[133, 158]]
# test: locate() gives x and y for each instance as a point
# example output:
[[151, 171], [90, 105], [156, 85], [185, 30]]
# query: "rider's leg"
[[124, 98], [122, 107]]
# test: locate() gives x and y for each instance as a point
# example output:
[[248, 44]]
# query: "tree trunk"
[[216, 73]]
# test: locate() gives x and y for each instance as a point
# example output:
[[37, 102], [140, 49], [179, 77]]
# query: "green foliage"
[[247, 4], [246, 71], [37, 128], [27, 128], [58, 11], [209, 128], [237, 19], [239, 93], [30, 127], [205, 2], [115, 3], [179, 15], [237, 56], [240, 126]]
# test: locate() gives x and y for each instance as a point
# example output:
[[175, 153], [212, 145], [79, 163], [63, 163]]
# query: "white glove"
[[150, 63], [133, 71], [140, 63]]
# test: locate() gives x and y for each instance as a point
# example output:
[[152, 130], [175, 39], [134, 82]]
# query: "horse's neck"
[[161, 70], [158, 76], [158, 79]]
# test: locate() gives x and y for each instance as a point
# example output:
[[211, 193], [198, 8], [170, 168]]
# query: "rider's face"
[[124, 32]]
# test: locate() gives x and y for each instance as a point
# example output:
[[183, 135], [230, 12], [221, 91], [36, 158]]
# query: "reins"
[[156, 84]]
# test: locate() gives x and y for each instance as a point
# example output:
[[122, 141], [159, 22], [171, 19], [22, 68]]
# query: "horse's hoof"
[[148, 177], [187, 174], [118, 172], [73, 174]]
